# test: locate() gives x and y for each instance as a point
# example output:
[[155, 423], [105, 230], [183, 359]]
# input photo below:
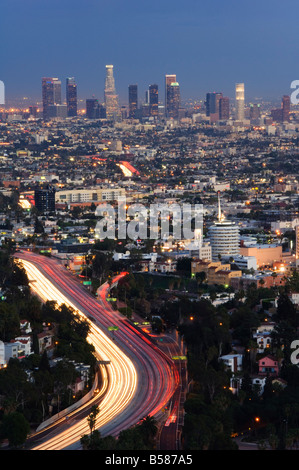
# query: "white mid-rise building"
[[284, 225], [224, 237], [89, 195], [243, 262], [225, 240]]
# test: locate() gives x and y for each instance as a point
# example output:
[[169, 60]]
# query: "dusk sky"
[[209, 45]]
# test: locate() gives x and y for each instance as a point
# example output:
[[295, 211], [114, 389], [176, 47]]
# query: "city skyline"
[[217, 107], [143, 95], [143, 89], [208, 46], [149, 227]]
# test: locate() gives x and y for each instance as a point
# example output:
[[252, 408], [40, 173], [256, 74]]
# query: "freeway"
[[141, 378]]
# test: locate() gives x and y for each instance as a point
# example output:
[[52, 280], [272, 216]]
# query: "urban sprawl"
[[228, 296]]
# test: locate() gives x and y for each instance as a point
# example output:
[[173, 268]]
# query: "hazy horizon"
[[209, 46]]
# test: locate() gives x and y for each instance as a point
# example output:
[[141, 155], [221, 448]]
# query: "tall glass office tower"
[[51, 94], [174, 99], [133, 100], [111, 98], [240, 101], [212, 103], [153, 100], [169, 79], [71, 97]]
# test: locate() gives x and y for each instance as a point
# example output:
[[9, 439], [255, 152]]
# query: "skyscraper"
[[57, 111], [255, 111], [282, 114], [153, 100], [133, 101], [169, 79], [286, 107], [208, 104], [212, 104], [240, 101], [94, 110], [224, 108], [111, 98], [51, 94], [71, 97], [174, 99]]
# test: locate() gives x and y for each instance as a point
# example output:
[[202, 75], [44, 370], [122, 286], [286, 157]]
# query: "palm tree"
[[91, 419], [149, 426]]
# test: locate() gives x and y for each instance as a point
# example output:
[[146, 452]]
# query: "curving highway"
[[141, 378]]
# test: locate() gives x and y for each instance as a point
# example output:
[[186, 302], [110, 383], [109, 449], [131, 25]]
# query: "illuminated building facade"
[[169, 79], [153, 100], [240, 101], [224, 237], [45, 199], [174, 99], [111, 98]]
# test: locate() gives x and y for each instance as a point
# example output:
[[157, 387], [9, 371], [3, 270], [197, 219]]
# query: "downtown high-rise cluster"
[[53, 106], [217, 106], [52, 98]]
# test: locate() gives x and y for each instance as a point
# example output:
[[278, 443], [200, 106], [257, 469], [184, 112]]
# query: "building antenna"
[[219, 208]]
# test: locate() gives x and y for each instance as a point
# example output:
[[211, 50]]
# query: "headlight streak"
[[156, 378], [122, 373]]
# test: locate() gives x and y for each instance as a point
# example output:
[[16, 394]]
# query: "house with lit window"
[[268, 365], [262, 335], [263, 339]]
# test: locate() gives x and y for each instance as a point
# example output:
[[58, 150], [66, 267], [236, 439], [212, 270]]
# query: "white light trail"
[[122, 373]]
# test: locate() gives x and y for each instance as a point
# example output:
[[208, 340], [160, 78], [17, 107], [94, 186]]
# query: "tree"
[[64, 374], [286, 310], [92, 418], [247, 384], [201, 277], [38, 226], [44, 385], [184, 265], [9, 322], [14, 385], [149, 428], [44, 362], [15, 428]]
